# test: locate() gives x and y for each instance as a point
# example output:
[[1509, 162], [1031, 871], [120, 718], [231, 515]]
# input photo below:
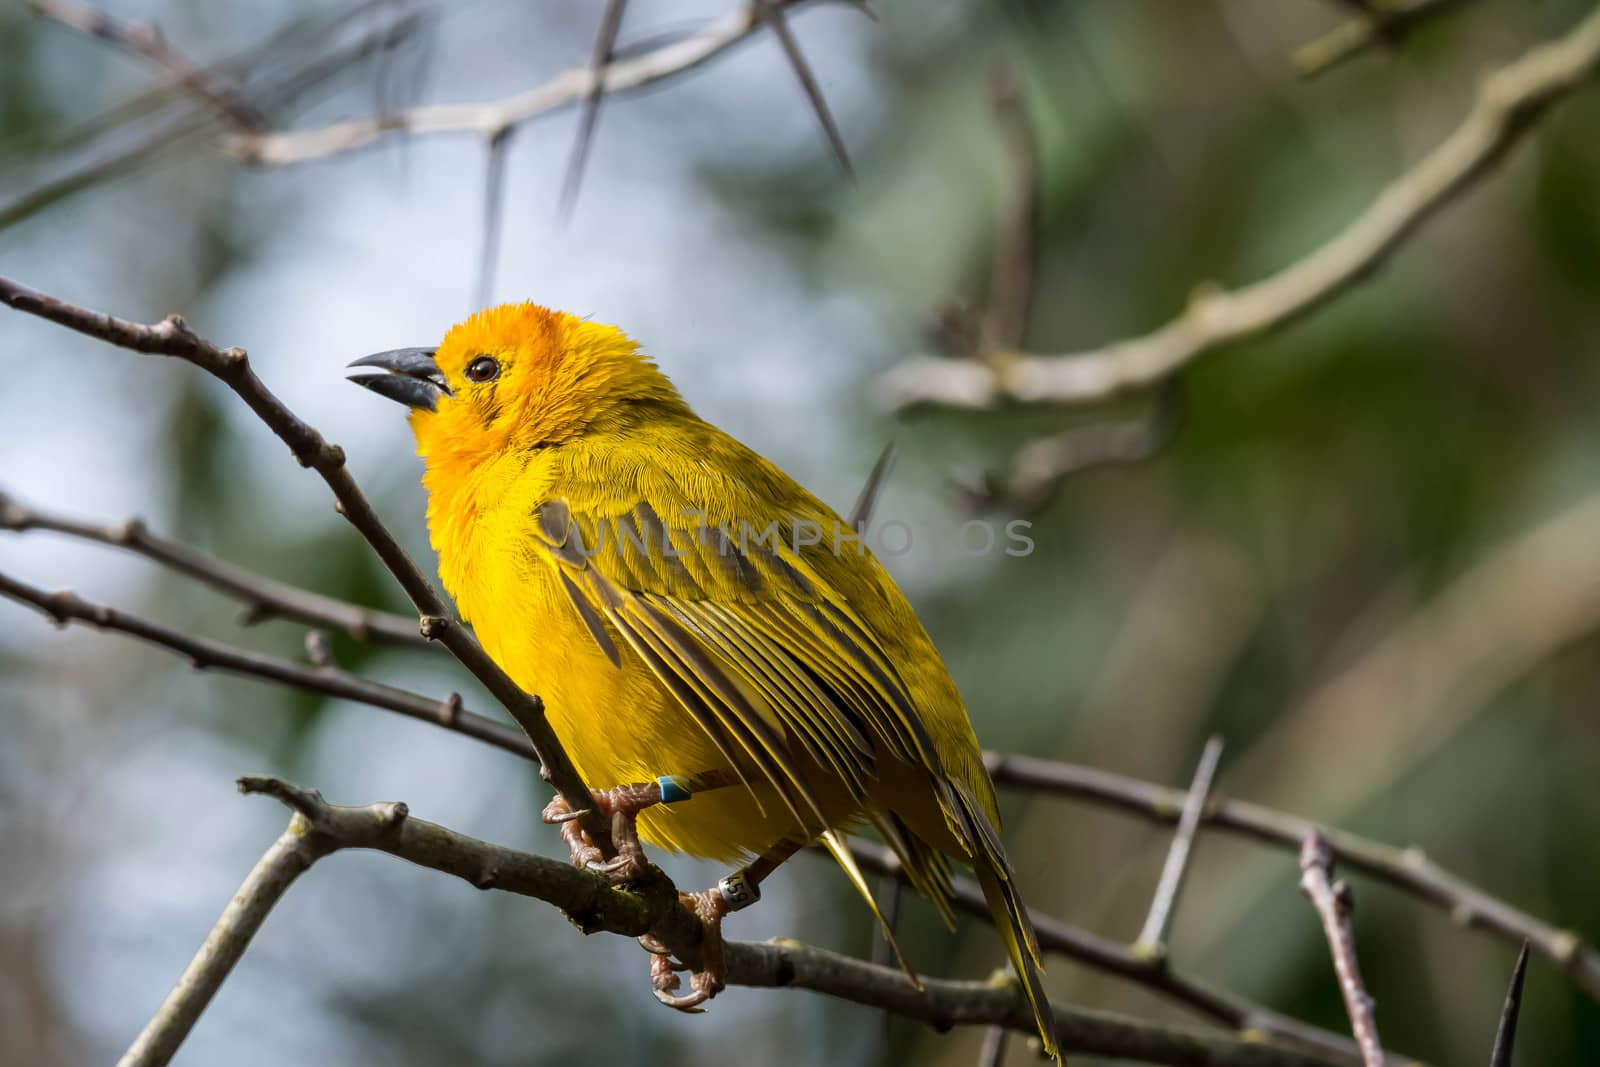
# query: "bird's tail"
[[835, 843], [1005, 904], [1011, 919]]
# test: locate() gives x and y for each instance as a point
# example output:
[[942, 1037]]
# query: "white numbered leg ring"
[[738, 891]]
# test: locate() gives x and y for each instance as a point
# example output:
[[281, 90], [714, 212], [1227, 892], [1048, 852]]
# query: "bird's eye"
[[483, 369]]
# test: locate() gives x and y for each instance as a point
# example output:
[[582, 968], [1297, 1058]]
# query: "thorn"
[[1506, 1034], [771, 12]]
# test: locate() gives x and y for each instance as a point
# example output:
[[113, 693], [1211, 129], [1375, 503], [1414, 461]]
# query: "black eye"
[[483, 369]]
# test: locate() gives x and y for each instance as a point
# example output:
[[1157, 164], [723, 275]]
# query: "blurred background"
[[1363, 551]]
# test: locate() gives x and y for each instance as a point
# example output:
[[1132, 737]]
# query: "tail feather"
[[926, 867], [835, 844], [1010, 914], [1016, 931]]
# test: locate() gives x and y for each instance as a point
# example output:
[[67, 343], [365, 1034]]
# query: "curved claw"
[[689, 1004]]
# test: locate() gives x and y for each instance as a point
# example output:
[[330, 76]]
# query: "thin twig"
[[1385, 25], [1334, 904], [1152, 940], [263, 597], [173, 337], [64, 607], [1505, 1035], [1508, 104], [771, 12], [993, 1050], [605, 43], [486, 118], [318, 829], [1042, 466], [494, 195], [1005, 317], [216, 91]]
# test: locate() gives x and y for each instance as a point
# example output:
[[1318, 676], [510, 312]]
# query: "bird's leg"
[[622, 805], [738, 890]]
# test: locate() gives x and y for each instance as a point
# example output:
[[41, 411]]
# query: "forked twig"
[[1334, 904]]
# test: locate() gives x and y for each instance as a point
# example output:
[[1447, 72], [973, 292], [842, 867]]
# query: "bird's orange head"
[[516, 377]]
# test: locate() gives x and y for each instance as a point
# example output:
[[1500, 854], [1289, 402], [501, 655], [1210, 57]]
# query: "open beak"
[[413, 378]]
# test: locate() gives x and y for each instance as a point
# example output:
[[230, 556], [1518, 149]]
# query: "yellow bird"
[[712, 642]]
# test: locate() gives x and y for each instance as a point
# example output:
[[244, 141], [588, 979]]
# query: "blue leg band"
[[672, 789]]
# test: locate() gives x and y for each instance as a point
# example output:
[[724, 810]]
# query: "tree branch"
[[173, 337], [1406, 869], [491, 117], [216, 91], [1334, 905], [64, 607], [263, 597], [318, 829], [1111, 957], [1508, 104]]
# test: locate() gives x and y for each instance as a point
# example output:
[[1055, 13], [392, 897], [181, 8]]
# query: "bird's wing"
[[744, 633]]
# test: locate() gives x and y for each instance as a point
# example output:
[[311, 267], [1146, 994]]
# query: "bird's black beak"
[[414, 379]]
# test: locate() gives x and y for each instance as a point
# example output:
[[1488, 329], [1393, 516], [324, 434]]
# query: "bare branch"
[[289, 857], [1384, 24], [1111, 957], [263, 597], [1407, 869], [1005, 317], [1505, 1035], [771, 12], [173, 337], [1152, 940], [215, 90], [605, 43], [318, 829], [64, 607], [1334, 904], [487, 118], [169, 125], [1508, 104]]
